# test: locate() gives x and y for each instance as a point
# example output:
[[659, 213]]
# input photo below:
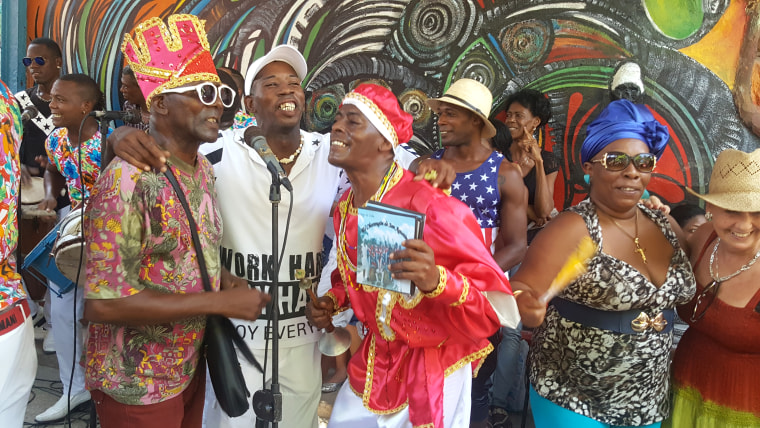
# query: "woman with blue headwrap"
[[600, 354]]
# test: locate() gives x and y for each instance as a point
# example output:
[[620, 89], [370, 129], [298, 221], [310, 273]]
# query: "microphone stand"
[[267, 403], [103, 130]]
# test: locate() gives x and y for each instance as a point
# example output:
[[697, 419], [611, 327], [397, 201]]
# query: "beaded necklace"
[[292, 157]]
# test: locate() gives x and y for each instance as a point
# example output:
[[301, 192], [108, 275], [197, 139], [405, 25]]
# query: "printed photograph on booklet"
[[382, 229]]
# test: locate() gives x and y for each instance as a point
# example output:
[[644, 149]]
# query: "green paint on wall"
[[313, 35], [82, 39], [677, 19]]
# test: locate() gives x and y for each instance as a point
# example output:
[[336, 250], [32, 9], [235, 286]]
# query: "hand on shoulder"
[[138, 148]]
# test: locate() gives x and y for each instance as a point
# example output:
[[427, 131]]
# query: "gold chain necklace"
[[292, 157], [637, 245]]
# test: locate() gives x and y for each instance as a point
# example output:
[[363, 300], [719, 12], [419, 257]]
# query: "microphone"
[[29, 113], [126, 116], [254, 138]]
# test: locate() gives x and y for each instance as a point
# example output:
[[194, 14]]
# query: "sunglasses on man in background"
[[28, 61]]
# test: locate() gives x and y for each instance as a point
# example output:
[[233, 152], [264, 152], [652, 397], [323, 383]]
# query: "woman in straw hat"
[[600, 355], [715, 368]]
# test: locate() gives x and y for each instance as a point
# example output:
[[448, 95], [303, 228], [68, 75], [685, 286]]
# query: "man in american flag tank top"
[[490, 185]]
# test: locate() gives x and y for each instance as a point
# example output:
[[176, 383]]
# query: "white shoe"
[[59, 410], [48, 344]]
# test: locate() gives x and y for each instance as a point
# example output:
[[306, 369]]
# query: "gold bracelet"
[[442, 276], [465, 291], [335, 302]]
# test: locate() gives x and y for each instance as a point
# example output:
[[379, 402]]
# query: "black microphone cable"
[[93, 423]]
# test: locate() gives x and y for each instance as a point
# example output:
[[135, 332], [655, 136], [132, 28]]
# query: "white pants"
[[46, 311], [68, 349], [17, 372], [300, 384], [349, 412]]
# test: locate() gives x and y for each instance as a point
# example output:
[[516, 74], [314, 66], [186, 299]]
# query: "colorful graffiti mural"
[[687, 49], [747, 85]]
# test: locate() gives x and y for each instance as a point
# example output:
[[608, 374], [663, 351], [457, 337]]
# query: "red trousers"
[[182, 411]]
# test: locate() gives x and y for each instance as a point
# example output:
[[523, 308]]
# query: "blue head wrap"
[[624, 119]]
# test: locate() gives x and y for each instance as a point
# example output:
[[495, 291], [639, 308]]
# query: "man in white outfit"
[[276, 99]]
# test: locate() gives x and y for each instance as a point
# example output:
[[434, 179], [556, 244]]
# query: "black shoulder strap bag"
[[220, 337]]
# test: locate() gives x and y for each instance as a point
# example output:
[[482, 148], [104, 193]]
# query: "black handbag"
[[220, 338]]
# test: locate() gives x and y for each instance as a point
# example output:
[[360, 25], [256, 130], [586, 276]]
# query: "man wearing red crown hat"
[[420, 351], [145, 296]]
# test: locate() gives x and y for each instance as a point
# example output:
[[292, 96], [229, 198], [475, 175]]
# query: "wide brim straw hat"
[[473, 96], [734, 182]]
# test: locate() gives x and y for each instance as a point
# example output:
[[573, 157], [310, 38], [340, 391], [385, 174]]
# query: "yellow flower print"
[[95, 287], [113, 225]]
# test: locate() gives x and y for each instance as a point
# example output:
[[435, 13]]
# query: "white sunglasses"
[[207, 93]]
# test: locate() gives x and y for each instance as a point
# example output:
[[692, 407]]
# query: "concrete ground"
[[47, 389]]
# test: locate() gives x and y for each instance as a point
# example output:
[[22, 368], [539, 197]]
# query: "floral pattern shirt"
[[138, 237], [11, 291], [243, 120], [66, 158]]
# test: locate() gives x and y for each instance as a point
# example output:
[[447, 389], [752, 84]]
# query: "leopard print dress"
[[614, 378]]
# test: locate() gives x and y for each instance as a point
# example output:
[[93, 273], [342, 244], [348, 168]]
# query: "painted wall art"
[[689, 52]]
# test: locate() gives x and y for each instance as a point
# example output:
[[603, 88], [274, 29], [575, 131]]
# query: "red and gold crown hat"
[[381, 108], [167, 56]]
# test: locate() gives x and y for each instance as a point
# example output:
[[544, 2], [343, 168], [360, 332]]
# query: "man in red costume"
[[420, 351]]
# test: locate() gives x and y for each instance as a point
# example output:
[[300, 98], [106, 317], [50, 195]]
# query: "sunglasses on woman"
[[28, 61], [207, 93], [618, 161]]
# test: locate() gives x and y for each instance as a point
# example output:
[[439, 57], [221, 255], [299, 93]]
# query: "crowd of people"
[[181, 196]]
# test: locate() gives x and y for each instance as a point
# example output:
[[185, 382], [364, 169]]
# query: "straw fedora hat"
[[734, 182], [473, 96]]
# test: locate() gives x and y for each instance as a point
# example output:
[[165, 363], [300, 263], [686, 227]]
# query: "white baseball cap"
[[285, 53]]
